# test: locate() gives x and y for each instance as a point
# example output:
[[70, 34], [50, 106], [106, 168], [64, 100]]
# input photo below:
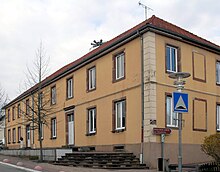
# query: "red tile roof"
[[153, 22]]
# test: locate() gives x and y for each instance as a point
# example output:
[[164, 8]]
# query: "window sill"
[[69, 98], [53, 138], [91, 134], [52, 104], [118, 130], [172, 127], [117, 80], [91, 90]]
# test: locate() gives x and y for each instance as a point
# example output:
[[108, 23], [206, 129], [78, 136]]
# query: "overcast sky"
[[67, 27]]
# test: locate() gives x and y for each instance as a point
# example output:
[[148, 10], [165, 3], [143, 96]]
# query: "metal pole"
[[180, 143]]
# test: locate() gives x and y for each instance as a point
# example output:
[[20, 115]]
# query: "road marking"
[[22, 168]]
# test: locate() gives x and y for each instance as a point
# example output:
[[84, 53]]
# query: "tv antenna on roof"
[[96, 43], [145, 8]]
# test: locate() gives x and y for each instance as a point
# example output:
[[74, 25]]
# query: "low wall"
[[48, 154]]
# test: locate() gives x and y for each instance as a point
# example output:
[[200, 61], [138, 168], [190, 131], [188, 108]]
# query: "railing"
[[212, 166]]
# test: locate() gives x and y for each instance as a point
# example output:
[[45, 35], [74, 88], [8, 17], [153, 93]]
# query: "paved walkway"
[[25, 162]]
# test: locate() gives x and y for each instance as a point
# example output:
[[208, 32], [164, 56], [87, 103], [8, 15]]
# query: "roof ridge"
[[183, 29]]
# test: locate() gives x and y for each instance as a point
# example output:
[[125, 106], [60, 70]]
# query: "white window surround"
[[70, 88], [171, 59], [92, 78], [54, 127], [120, 66], [120, 115], [92, 120], [218, 117], [171, 117]]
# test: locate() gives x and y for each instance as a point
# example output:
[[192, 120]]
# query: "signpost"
[[162, 132], [180, 105]]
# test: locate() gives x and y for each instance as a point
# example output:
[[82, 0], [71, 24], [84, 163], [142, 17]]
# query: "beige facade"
[[112, 111]]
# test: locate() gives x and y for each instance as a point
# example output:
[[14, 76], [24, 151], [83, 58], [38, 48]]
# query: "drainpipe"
[[142, 99]]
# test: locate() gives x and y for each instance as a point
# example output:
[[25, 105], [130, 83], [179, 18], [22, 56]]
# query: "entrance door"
[[28, 136], [71, 129]]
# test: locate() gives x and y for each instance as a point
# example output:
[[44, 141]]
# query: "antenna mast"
[[145, 8]]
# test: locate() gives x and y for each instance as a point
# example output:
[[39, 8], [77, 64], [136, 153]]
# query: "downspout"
[[33, 120], [142, 98]]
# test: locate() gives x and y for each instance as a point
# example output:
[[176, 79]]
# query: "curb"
[[19, 167]]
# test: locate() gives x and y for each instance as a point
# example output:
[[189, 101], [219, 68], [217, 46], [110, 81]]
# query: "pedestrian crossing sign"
[[180, 102]]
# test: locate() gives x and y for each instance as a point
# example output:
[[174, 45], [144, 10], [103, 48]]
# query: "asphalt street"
[[6, 168]]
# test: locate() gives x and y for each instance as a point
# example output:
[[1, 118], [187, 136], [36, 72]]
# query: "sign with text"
[[159, 131]]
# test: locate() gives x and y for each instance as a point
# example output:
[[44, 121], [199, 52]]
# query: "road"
[[5, 168]]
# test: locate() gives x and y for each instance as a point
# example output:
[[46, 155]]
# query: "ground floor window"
[[14, 135], [120, 114], [53, 128], [218, 117], [171, 117], [9, 136], [91, 120]]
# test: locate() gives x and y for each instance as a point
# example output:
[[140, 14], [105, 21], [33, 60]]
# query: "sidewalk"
[[54, 168]]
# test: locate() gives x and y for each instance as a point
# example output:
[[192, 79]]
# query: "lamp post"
[[179, 83]]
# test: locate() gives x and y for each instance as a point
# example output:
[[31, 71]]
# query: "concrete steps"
[[105, 160]]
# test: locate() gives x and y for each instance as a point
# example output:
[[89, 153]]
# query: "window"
[[218, 72], [171, 117], [218, 117], [69, 88], [27, 107], [19, 110], [14, 135], [13, 113], [91, 78], [53, 128], [19, 134], [119, 67], [42, 130], [171, 59], [9, 115], [9, 136], [120, 114], [53, 95], [91, 120]]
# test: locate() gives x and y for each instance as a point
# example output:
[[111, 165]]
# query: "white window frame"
[[92, 78], [120, 113], [69, 88], [54, 127], [53, 95], [173, 116], [171, 59], [92, 120], [120, 66], [218, 72], [218, 117]]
